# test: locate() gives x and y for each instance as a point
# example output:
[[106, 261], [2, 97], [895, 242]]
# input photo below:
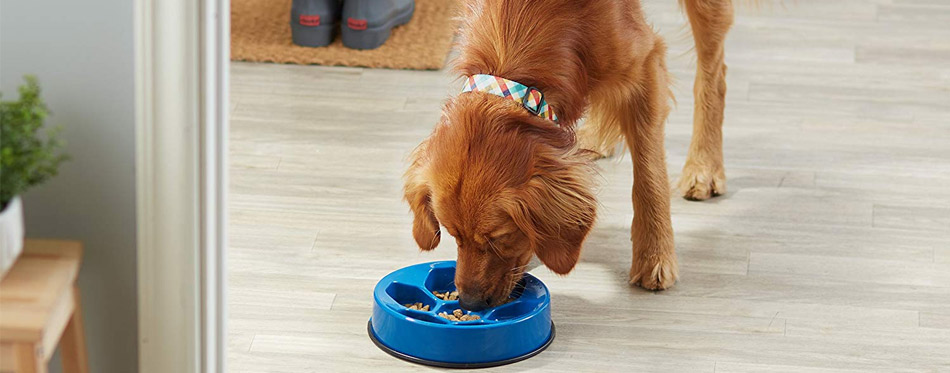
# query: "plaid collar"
[[529, 97]]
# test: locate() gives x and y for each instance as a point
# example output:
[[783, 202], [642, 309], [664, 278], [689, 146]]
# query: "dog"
[[507, 173]]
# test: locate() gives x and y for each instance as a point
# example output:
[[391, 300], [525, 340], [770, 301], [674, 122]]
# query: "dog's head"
[[506, 186]]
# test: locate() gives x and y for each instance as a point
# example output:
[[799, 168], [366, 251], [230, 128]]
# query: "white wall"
[[82, 52]]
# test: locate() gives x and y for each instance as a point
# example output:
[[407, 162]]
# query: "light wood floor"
[[831, 251]]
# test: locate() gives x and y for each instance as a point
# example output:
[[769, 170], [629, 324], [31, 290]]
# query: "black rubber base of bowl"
[[442, 364]]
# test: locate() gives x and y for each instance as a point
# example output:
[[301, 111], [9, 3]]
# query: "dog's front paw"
[[702, 180], [657, 272]]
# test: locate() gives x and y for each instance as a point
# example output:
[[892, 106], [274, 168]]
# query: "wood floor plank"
[[935, 320], [868, 270], [912, 217], [732, 367]]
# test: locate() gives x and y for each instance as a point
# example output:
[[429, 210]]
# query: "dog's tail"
[[751, 4], [718, 11]]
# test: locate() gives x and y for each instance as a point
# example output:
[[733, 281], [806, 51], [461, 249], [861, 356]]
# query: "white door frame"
[[182, 53]]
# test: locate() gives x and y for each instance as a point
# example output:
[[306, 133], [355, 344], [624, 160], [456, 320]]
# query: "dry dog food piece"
[[458, 315], [448, 316], [417, 306], [446, 295]]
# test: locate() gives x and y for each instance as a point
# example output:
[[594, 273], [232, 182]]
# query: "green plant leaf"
[[27, 157]]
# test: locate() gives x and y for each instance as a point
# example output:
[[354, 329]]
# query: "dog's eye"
[[480, 239], [501, 236], [502, 232]]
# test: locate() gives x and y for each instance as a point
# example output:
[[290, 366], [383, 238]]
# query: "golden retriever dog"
[[510, 180]]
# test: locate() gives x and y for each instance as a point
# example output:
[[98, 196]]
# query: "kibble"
[[458, 315], [446, 295], [417, 306]]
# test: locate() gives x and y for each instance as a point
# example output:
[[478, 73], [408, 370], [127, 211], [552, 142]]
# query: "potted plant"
[[27, 158]]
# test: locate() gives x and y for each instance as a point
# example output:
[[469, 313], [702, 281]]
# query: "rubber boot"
[[313, 22], [368, 23]]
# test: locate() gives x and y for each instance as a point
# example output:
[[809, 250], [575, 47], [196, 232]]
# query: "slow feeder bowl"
[[505, 334]]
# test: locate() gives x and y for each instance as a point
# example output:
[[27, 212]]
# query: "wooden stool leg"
[[73, 343], [28, 359]]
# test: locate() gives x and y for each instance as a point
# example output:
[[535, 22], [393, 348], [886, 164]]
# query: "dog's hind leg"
[[641, 110], [601, 132], [704, 173]]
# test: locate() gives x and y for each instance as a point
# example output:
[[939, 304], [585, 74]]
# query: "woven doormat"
[[260, 32]]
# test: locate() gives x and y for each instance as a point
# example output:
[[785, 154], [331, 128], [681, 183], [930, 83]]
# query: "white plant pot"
[[11, 234]]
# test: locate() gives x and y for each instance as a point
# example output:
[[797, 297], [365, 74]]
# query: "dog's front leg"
[[654, 258]]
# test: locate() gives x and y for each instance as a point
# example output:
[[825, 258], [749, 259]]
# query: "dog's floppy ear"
[[556, 209], [425, 227]]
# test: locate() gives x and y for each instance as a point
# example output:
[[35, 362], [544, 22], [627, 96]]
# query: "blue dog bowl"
[[505, 334]]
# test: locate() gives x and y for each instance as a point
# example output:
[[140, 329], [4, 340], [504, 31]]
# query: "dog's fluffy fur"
[[508, 185]]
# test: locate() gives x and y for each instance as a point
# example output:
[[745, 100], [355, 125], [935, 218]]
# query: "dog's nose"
[[474, 304]]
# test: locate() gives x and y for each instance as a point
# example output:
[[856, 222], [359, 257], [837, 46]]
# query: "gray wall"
[[82, 52]]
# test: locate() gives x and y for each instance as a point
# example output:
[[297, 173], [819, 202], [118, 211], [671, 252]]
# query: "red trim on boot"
[[356, 24], [310, 20]]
